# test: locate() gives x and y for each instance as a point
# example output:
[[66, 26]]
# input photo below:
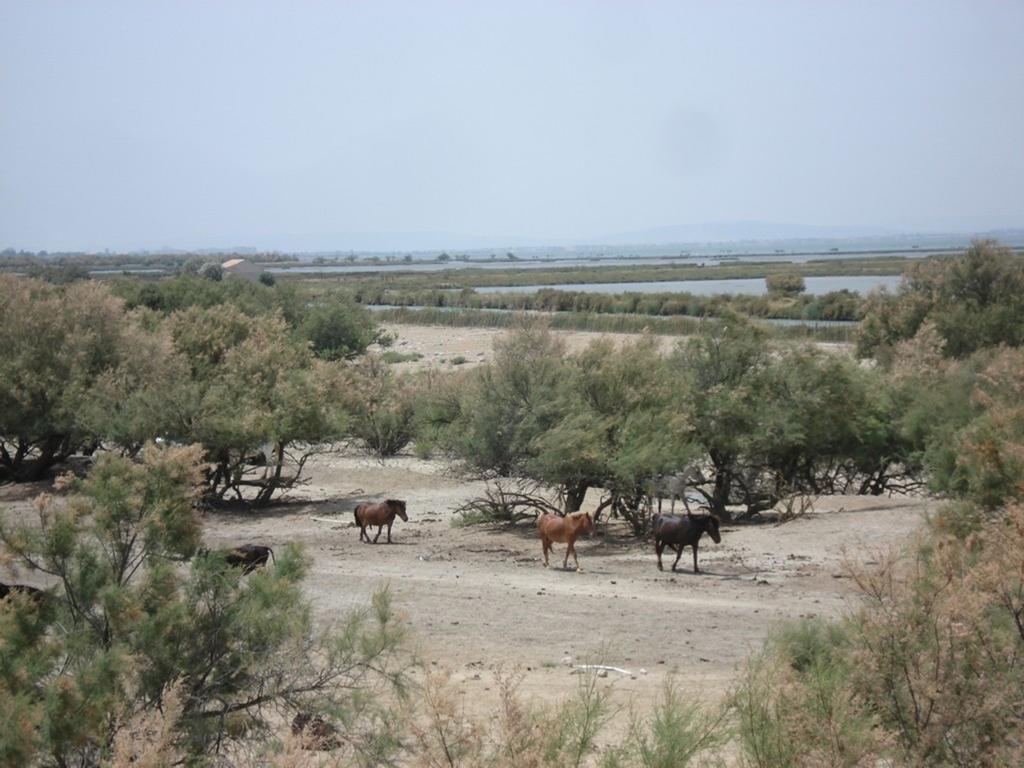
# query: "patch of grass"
[[391, 357], [458, 360]]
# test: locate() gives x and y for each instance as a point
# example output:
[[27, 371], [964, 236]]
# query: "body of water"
[[816, 286], [433, 266]]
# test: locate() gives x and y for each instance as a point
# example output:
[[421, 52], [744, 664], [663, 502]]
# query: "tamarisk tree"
[[126, 621]]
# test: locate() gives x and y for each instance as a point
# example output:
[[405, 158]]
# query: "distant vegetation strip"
[[602, 323], [471, 277], [834, 306]]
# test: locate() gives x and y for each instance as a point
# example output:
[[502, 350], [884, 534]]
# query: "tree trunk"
[[574, 495], [270, 485], [720, 496], [23, 467]]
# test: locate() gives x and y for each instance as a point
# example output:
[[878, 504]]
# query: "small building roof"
[[231, 263]]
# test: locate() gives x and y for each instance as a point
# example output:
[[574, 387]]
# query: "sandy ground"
[[439, 346], [478, 599], [445, 348]]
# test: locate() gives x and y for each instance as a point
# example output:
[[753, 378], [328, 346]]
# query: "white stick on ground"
[[605, 667]]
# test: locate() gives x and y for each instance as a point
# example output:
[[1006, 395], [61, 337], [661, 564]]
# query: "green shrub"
[[785, 284], [126, 629], [975, 300], [392, 357], [381, 406], [796, 705], [678, 731], [338, 329]]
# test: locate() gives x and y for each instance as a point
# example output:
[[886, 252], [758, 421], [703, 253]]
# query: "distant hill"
[[729, 231]]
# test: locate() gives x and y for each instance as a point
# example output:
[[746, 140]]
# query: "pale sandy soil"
[[478, 599], [440, 345]]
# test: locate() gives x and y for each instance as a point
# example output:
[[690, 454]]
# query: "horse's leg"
[[575, 559], [362, 533], [546, 546], [659, 546], [679, 553], [695, 568], [379, 529], [390, 523]]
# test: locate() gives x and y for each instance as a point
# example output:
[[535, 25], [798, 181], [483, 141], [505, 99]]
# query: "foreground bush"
[[128, 629], [677, 733], [929, 671]]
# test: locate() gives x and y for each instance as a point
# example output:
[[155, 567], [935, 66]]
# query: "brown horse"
[[379, 514], [564, 530]]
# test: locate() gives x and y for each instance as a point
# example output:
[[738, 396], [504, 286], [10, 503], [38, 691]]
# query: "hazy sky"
[[306, 125]]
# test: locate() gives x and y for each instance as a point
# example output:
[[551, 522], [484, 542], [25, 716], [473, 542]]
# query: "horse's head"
[[707, 523], [399, 507], [711, 526], [588, 523]]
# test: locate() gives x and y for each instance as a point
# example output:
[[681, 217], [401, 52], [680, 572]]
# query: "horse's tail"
[[272, 558], [355, 514]]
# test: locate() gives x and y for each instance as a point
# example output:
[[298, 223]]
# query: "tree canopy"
[[184, 361], [974, 300]]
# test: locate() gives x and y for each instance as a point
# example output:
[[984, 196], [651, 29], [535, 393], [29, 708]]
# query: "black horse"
[[248, 557], [678, 532], [35, 595]]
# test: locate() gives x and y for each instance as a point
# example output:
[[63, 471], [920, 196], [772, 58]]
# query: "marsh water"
[[816, 286]]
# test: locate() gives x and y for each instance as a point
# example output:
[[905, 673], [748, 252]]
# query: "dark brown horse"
[[249, 557], [379, 514], [564, 530], [32, 593], [679, 532]]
